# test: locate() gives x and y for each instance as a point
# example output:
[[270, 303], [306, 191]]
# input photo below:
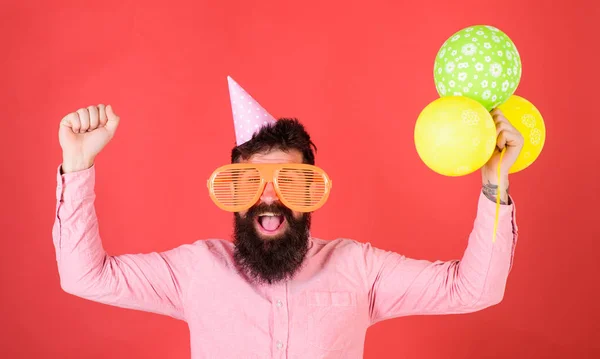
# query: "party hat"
[[248, 115]]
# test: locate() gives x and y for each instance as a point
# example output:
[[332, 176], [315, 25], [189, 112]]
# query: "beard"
[[276, 258]]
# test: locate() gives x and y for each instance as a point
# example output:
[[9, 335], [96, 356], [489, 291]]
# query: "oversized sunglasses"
[[300, 187]]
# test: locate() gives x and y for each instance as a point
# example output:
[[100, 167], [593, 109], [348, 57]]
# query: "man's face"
[[271, 227], [271, 240]]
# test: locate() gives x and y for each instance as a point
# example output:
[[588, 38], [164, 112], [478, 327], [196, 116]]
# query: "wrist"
[[491, 192], [491, 177], [492, 187], [70, 165]]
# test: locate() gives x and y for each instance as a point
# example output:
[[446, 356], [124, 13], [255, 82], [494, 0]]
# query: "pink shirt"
[[323, 312]]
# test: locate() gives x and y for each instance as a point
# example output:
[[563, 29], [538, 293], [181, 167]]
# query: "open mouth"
[[269, 223]]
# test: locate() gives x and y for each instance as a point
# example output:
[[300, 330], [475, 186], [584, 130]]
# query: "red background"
[[357, 74]]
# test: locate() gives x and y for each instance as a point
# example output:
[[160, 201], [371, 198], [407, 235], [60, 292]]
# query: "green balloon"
[[479, 62]]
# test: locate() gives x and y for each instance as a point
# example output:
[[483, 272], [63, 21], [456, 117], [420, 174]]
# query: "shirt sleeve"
[[153, 282], [400, 286]]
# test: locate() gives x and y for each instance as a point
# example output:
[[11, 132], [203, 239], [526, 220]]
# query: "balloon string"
[[498, 197]]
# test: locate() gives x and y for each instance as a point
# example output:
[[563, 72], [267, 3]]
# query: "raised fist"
[[83, 134]]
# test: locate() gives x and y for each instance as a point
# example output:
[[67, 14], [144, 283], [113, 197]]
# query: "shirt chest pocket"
[[330, 319]]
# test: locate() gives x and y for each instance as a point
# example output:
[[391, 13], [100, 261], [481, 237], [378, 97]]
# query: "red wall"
[[357, 75]]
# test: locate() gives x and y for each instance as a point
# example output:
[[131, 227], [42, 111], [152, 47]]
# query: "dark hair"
[[285, 134]]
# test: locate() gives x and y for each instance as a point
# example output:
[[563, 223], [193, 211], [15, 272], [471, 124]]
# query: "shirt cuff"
[[487, 209], [507, 225], [75, 185]]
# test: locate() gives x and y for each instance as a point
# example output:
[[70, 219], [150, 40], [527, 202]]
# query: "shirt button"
[[279, 344], [279, 304]]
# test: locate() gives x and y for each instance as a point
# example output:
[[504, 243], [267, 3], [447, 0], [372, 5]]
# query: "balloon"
[[479, 62], [455, 135], [526, 118]]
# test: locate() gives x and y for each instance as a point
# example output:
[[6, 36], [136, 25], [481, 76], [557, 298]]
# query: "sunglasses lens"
[[236, 187], [302, 188]]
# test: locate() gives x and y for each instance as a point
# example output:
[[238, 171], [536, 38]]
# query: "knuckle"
[[73, 118], [102, 113], [84, 115], [70, 117]]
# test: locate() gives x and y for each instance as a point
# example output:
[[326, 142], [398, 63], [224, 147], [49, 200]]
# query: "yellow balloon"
[[455, 135], [528, 120]]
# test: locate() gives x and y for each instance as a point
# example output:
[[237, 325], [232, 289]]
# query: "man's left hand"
[[507, 136]]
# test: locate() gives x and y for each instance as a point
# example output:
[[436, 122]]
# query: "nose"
[[269, 195]]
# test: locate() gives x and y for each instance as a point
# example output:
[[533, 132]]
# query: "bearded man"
[[275, 291]]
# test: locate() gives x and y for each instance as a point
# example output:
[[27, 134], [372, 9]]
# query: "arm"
[[154, 282], [402, 286]]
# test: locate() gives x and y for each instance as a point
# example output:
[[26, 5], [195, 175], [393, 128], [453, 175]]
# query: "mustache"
[[276, 208]]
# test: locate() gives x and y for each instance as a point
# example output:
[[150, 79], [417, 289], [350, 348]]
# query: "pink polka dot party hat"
[[248, 115]]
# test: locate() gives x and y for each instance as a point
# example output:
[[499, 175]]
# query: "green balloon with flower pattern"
[[479, 62]]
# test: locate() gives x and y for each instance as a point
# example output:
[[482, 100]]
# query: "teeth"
[[267, 214]]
